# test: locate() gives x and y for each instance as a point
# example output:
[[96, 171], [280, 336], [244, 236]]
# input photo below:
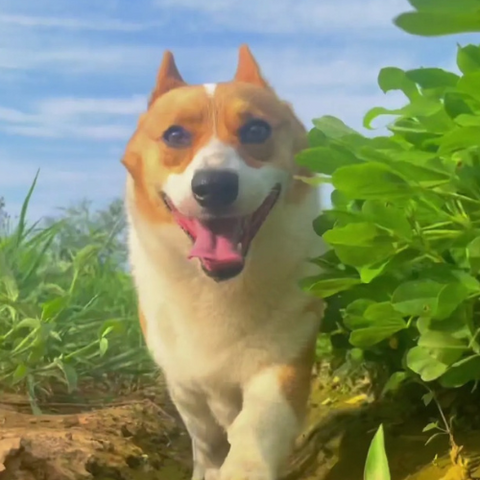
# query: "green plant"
[[402, 275], [67, 310], [376, 466], [441, 17]]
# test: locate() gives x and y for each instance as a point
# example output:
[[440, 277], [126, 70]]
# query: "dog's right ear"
[[168, 77]]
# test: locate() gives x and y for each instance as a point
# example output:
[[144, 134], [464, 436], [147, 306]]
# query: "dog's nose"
[[215, 188]]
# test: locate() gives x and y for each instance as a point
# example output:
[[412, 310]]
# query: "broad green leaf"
[[417, 297], [376, 112], [466, 120], [421, 362], [316, 138], [442, 346], [449, 298], [376, 467], [447, 6], [432, 77], [388, 216], [354, 313], [379, 322], [456, 103], [468, 58], [324, 222], [365, 256], [371, 181], [354, 234], [463, 137], [333, 127], [326, 159], [326, 285], [462, 372], [437, 23], [393, 78], [469, 84]]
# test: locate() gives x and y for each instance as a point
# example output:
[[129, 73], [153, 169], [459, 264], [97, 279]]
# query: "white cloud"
[[81, 118], [372, 17], [72, 106], [77, 59], [65, 23]]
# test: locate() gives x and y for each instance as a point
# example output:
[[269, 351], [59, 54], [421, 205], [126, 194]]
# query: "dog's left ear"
[[248, 70], [168, 77]]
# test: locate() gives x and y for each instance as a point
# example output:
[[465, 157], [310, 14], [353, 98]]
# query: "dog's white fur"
[[223, 346], [254, 183]]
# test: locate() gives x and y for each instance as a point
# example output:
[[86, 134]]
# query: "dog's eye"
[[177, 137], [255, 131]]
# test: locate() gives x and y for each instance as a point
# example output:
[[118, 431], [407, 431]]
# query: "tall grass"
[[67, 309]]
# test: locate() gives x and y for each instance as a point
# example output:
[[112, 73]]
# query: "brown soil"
[[142, 438]]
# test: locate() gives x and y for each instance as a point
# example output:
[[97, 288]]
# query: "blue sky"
[[74, 75]]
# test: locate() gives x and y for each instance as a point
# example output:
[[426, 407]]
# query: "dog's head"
[[215, 159]]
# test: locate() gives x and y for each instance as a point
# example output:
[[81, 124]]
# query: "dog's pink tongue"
[[216, 245]]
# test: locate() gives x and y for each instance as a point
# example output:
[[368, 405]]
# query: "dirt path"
[[141, 438]]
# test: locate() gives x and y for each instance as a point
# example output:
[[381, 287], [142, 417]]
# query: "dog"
[[219, 234]]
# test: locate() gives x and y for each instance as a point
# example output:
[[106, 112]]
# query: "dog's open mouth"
[[221, 244]]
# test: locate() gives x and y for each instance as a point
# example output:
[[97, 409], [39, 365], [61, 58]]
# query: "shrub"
[[402, 274]]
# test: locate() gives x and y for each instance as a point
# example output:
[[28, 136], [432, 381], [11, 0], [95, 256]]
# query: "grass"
[[67, 307]]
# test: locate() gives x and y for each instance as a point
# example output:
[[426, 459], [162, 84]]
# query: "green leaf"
[[393, 78], [388, 216], [21, 371], [469, 84], [473, 254], [103, 346], [430, 426], [465, 120], [449, 298], [394, 382], [366, 256], [468, 59], [442, 346], [461, 137], [54, 306], [431, 24], [420, 361], [379, 322], [462, 372], [376, 467], [446, 6], [70, 374], [354, 234], [326, 285], [326, 159], [371, 181], [417, 297], [432, 77], [333, 127]]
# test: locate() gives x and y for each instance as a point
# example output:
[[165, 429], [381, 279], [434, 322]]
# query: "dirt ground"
[[141, 437]]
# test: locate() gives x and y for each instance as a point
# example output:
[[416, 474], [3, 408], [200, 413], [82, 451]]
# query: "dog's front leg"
[[209, 441], [262, 436]]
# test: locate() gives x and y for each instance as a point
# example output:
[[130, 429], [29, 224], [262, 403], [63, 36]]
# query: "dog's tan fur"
[[236, 355]]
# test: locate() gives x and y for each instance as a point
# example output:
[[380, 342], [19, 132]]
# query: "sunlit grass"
[[67, 306]]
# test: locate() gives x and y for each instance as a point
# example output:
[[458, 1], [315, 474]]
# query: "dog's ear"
[[248, 70], [168, 77]]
